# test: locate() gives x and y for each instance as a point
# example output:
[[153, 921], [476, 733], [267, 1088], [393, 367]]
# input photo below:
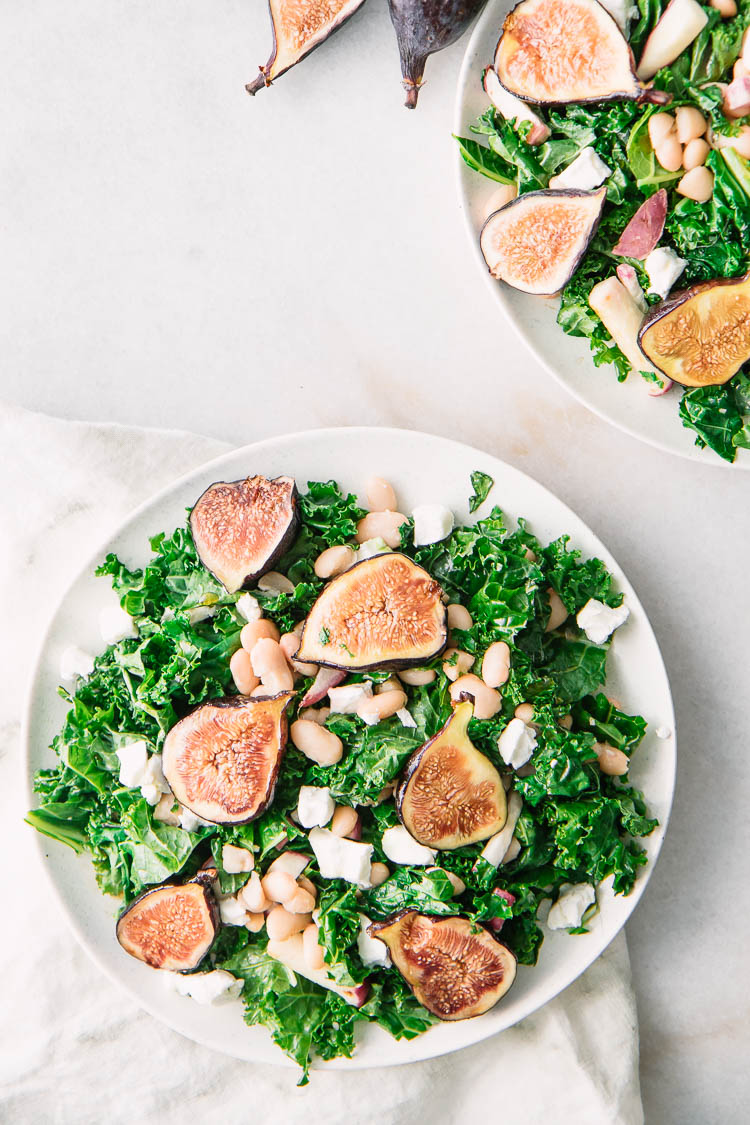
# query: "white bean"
[[275, 583], [380, 495], [255, 922], [697, 184], [453, 668], [308, 885], [334, 560], [289, 644], [379, 872], [695, 153], [269, 662], [253, 896], [496, 664], [278, 886], [316, 742], [315, 714], [458, 884], [557, 611], [503, 193], [660, 125], [281, 923], [379, 707], [312, 950], [391, 684], [344, 820], [459, 617], [690, 123], [726, 8], [415, 677], [566, 722], [255, 631], [611, 760], [241, 668], [669, 153], [487, 701], [524, 712], [301, 902], [381, 525]]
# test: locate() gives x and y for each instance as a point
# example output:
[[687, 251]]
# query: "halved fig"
[[451, 794], [700, 337], [383, 612], [535, 242], [552, 52], [298, 28], [222, 760], [172, 926], [240, 528], [454, 968]]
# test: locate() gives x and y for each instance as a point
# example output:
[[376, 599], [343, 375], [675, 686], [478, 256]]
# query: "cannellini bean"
[[275, 583], [270, 663], [530, 555], [695, 153], [344, 820], [260, 692], [379, 872], [255, 923], [380, 495], [316, 742], [289, 644], [503, 193], [496, 664], [566, 722], [740, 69], [391, 684], [459, 617], [458, 884], [726, 8], [308, 885], [487, 701], [557, 611], [697, 184], [253, 896], [415, 677], [281, 923], [690, 123], [278, 886], [379, 707], [241, 668], [669, 153], [611, 760], [381, 525], [334, 560], [741, 142], [254, 631], [745, 46], [462, 663], [660, 125], [315, 714], [312, 951], [301, 902], [524, 712]]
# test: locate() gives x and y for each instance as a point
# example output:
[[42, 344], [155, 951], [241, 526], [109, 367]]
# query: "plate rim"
[[85, 569], [699, 456]]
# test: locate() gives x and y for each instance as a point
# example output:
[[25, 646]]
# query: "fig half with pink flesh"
[[172, 926], [240, 528], [222, 760], [535, 242], [451, 794], [299, 26], [455, 968], [383, 612]]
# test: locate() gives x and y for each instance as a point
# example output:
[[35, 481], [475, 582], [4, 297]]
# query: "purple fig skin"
[[424, 27]]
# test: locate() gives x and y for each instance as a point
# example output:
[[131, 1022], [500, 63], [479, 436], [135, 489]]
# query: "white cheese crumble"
[[116, 624], [586, 172], [372, 950], [599, 621], [232, 912], [621, 11], [663, 267], [432, 522], [201, 613], [235, 860], [133, 757], [153, 782], [75, 664], [339, 858], [567, 913], [189, 821], [205, 988], [315, 806], [517, 743], [401, 847], [248, 607], [346, 699], [406, 718]]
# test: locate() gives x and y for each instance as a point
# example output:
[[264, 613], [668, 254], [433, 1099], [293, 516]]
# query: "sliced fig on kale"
[[172, 926], [700, 337], [552, 52], [454, 968], [222, 760], [240, 528], [298, 27], [535, 242], [383, 612], [451, 794], [424, 27]]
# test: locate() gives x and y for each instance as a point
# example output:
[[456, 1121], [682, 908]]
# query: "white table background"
[[175, 253]]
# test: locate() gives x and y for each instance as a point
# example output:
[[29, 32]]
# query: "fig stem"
[[412, 93]]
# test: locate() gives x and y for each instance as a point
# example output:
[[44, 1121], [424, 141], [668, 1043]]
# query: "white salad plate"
[[653, 419], [423, 469]]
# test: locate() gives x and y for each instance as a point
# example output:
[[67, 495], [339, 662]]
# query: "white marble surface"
[[175, 253]]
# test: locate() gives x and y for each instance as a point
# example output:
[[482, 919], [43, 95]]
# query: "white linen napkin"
[[75, 1049]]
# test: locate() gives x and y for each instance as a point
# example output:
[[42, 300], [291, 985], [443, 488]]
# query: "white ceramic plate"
[[568, 358], [423, 469]]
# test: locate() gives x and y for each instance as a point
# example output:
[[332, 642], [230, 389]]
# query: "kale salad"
[[344, 765], [618, 136]]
